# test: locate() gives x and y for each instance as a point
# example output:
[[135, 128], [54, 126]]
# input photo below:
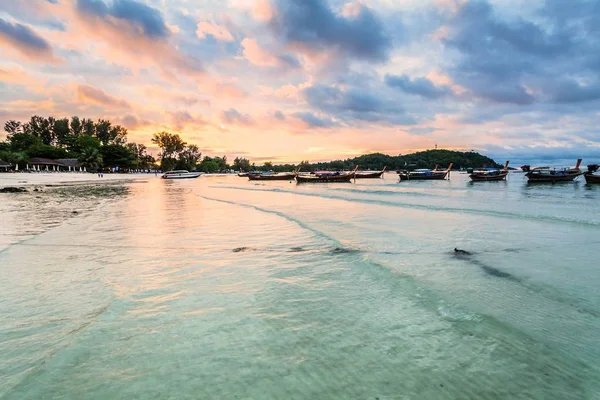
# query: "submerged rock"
[[13, 190], [240, 249]]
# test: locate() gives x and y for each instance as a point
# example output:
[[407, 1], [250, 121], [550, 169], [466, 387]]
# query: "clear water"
[[221, 288]]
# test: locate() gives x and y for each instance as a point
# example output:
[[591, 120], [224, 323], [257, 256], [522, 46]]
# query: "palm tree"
[[90, 158]]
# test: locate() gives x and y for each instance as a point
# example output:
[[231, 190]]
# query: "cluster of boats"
[[538, 174], [316, 177]]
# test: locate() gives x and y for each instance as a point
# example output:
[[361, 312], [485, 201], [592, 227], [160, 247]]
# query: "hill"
[[421, 159]]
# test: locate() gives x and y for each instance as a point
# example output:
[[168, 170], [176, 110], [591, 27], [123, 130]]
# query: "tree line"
[[100, 144], [95, 144]]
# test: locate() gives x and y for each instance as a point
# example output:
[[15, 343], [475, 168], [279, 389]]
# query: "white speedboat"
[[180, 174]]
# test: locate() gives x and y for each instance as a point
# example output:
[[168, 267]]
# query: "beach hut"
[[44, 163], [71, 164], [4, 166]]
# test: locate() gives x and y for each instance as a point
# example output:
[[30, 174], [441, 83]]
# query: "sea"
[[223, 288]]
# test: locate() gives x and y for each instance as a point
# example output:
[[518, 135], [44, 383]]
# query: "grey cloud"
[[147, 19], [500, 58], [420, 86], [279, 115], [354, 104], [24, 39], [234, 116], [313, 121], [314, 25]]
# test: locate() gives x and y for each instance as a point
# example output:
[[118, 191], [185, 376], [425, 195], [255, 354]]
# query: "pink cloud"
[[256, 55], [89, 94]]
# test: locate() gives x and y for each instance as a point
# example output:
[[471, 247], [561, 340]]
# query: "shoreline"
[[55, 179]]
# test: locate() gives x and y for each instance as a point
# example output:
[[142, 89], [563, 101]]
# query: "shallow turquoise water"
[[220, 288]]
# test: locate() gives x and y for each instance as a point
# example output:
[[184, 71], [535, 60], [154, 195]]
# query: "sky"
[[292, 80]]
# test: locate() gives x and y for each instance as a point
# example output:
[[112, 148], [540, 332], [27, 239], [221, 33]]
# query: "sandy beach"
[[23, 179]]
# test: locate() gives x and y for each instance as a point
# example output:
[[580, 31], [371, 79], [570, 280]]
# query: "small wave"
[[490, 213]]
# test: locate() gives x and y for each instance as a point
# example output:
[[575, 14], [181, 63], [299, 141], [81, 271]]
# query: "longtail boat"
[[552, 175], [425, 174], [590, 177], [490, 174], [369, 174], [326, 177], [282, 176]]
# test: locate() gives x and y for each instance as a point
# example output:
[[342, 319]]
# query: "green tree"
[[241, 164], [22, 141], [76, 127], [47, 151], [88, 127], [90, 158], [12, 127], [85, 142], [208, 165], [116, 155], [62, 132], [170, 145], [188, 158], [104, 131]]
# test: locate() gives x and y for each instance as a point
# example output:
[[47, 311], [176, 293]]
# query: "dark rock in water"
[[463, 252], [343, 250], [74, 212], [13, 190], [296, 249], [240, 249]]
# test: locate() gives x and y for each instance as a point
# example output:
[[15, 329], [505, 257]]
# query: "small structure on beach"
[[4, 166], [44, 164], [70, 164]]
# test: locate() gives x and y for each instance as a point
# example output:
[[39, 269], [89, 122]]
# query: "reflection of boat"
[[369, 174], [590, 176], [490, 174], [326, 177], [547, 174], [180, 174], [424, 174], [281, 176]]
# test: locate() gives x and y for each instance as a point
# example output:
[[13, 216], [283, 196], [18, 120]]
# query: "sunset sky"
[[291, 80]]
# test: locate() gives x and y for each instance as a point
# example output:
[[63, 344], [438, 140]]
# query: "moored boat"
[[552, 175], [425, 174], [369, 174], [180, 174], [490, 174], [282, 176], [590, 175], [326, 177]]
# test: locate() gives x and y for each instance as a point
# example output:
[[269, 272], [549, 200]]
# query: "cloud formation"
[[89, 94], [25, 40], [315, 27], [420, 86], [233, 116]]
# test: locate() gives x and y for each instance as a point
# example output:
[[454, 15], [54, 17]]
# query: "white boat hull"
[[186, 175]]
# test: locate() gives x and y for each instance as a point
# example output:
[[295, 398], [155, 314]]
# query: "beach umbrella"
[[69, 168], [16, 167], [46, 168], [84, 170], [27, 167]]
